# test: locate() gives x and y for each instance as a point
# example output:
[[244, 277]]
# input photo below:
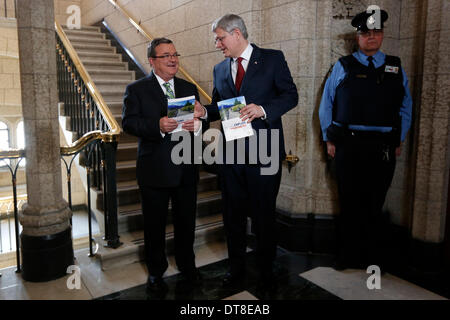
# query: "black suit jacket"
[[144, 103], [267, 82]]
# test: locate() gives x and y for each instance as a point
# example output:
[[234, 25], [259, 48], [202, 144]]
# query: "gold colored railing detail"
[[113, 134], [150, 38], [12, 154], [81, 143], [292, 159]]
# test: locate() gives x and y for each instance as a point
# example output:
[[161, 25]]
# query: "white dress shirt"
[[161, 83], [245, 55]]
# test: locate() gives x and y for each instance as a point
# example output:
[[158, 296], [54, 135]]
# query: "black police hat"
[[360, 21]]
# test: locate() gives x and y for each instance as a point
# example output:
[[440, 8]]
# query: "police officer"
[[365, 114]]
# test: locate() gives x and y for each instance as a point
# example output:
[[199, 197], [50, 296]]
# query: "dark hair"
[[151, 49]]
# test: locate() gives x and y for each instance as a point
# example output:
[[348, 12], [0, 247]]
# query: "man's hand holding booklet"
[[233, 126], [181, 110]]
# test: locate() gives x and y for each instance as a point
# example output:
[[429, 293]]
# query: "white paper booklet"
[[233, 126], [181, 109]]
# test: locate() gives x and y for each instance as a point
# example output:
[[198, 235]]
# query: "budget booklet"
[[181, 109], [233, 126]]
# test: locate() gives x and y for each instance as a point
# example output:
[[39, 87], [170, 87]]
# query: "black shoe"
[[233, 278], [156, 286]]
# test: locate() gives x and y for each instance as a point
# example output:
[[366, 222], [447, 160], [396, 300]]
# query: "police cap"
[[363, 19]]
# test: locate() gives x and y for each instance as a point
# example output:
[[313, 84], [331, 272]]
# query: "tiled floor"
[[299, 277]]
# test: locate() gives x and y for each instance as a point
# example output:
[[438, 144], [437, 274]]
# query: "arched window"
[[4, 140], [20, 134]]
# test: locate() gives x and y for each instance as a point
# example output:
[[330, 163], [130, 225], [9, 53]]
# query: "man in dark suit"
[[145, 115], [263, 77]]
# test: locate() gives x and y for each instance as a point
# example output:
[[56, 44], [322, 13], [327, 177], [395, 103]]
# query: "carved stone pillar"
[[46, 241], [432, 167]]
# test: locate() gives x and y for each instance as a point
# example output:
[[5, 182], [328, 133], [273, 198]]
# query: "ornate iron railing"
[[18, 155], [92, 120]]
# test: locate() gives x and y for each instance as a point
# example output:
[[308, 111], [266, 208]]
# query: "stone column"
[[432, 167], [46, 241]]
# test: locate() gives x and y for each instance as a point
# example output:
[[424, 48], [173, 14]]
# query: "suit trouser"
[[365, 167], [155, 202], [245, 192]]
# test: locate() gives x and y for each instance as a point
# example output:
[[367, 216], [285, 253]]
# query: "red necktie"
[[240, 74]]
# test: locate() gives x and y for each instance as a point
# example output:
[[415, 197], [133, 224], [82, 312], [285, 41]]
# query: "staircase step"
[[126, 151], [130, 216], [82, 47], [125, 170], [110, 65], [128, 190], [84, 34], [125, 137], [100, 56], [89, 41], [208, 229], [114, 94], [117, 86], [99, 74], [84, 28], [115, 106]]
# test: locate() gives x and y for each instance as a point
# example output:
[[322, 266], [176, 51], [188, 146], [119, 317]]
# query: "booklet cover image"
[[181, 110], [233, 126], [230, 108], [180, 107]]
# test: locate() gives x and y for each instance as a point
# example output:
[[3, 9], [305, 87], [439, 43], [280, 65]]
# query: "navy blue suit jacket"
[[267, 82]]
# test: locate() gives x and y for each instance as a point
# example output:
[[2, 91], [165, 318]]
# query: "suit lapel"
[[252, 68], [154, 85], [229, 77], [179, 88]]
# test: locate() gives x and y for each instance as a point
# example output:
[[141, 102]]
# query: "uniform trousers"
[[365, 164]]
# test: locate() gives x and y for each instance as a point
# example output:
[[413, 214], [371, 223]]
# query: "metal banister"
[[114, 133], [150, 38]]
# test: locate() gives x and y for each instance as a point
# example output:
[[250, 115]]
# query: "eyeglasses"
[[217, 39], [167, 56], [375, 32]]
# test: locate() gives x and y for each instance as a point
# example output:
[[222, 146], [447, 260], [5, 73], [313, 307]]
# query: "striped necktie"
[[169, 92]]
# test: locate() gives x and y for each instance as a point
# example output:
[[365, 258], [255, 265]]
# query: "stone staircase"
[[111, 76]]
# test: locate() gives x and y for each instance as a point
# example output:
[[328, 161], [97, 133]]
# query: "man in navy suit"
[[144, 115], [262, 76]]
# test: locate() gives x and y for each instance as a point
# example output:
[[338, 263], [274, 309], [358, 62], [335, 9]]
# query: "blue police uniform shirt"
[[338, 74]]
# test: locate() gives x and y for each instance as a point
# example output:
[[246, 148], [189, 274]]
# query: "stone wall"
[[313, 34], [10, 99], [60, 9]]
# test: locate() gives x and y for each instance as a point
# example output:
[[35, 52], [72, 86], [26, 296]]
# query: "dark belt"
[[368, 134]]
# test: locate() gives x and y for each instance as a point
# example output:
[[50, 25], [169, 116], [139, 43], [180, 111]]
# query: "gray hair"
[[229, 22], [151, 49]]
